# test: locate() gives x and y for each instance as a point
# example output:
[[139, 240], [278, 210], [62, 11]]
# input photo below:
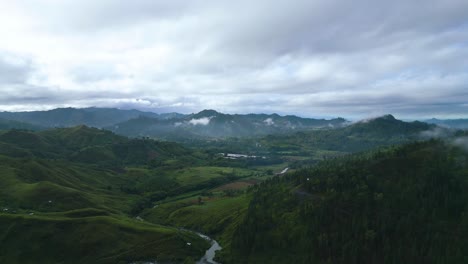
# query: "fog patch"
[[269, 121], [370, 119], [437, 132], [461, 142], [200, 121]]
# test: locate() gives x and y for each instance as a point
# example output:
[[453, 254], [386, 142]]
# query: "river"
[[210, 253]]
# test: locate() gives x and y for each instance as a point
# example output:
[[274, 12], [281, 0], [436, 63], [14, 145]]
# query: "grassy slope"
[[217, 216], [71, 192], [30, 184], [92, 239], [57, 210]]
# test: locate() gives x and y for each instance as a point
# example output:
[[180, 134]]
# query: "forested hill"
[[67, 196], [360, 136], [89, 145], [406, 204]]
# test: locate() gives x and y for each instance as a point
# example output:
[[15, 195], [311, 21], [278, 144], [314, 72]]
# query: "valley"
[[115, 199], [233, 132]]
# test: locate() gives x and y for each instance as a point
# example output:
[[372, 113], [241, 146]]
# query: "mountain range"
[[172, 126], [67, 117], [207, 124], [212, 124], [359, 136]]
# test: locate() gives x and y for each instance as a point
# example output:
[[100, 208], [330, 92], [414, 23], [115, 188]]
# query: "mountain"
[[212, 124], [359, 136], [67, 117], [401, 205], [387, 126], [452, 123]]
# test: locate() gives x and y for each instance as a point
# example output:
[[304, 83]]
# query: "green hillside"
[[86, 195], [81, 237], [402, 205], [63, 200]]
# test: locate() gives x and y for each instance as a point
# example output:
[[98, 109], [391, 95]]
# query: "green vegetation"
[[81, 237], [6, 124], [403, 205], [86, 195], [214, 214], [85, 186], [35, 184], [60, 207], [361, 136]]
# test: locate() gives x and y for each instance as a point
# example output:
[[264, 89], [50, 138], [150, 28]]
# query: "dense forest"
[[400, 205]]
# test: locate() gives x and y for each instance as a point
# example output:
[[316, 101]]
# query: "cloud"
[[200, 121], [461, 142], [437, 132], [269, 121], [14, 69], [313, 58]]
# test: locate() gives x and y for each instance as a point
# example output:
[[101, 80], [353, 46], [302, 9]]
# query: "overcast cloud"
[[311, 58]]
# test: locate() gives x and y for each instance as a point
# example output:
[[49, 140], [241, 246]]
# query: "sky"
[[311, 58]]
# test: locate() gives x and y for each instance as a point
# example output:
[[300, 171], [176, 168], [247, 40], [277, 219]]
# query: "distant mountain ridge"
[[212, 124], [359, 136], [68, 117], [6, 124], [171, 126], [452, 123]]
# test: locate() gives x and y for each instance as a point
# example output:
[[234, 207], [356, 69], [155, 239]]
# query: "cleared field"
[[239, 185], [195, 175]]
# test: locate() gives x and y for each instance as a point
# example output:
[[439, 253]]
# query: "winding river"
[[211, 252]]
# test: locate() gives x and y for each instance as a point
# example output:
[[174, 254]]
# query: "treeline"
[[401, 205]]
